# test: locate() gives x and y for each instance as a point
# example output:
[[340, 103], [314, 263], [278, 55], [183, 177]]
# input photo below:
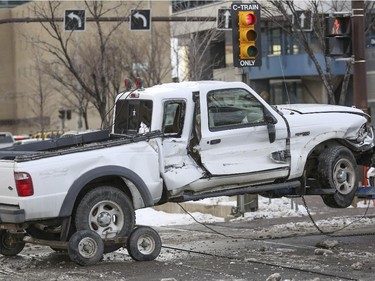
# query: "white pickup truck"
[[178, 142]]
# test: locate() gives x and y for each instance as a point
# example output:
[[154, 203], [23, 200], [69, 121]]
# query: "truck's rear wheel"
[[337, 170], [107, 211]]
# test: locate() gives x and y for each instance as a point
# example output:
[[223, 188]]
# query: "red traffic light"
[[246, 18], [251, 19]]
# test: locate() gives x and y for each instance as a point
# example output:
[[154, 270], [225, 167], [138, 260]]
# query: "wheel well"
[[126, 180], [114, 181], [312, 158]]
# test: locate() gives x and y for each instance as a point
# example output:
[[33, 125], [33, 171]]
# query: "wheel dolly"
[[86, 247]]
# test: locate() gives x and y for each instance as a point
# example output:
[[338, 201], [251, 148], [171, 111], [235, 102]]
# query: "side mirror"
[[270, 121]]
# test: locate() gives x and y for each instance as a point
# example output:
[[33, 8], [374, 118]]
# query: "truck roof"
[[178, 90]]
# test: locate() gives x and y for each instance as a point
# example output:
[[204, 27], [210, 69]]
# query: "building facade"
[[195, 50], [287, 72], [31, 99]]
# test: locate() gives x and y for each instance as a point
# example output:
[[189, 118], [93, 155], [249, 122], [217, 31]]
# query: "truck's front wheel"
[[107, 211], [337, 170]]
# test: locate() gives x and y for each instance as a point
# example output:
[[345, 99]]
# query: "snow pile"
[[267, 208], [151, 217], [275, 208]]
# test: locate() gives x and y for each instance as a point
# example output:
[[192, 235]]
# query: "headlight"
[[365, 134]]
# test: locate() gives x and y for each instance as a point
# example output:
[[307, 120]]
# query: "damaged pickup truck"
[[178, 142]]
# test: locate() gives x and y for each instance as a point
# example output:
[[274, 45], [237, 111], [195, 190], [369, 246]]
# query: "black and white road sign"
[[140, 20], [224, 19], [74, 20], [304, 17]]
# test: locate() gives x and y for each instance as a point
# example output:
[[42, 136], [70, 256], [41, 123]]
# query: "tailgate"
[[8, 191]]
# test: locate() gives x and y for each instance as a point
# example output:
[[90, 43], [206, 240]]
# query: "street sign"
[[224, 19], [304, 18], [140, 20], [74, 20]]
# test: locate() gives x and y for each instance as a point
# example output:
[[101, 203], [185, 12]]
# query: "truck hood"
[[317, 108], [329, 121]]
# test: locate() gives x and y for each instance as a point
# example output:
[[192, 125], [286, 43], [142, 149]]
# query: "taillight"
[[24, 184]]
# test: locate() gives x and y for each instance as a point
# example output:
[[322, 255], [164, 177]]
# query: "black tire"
[[337, 169], [85, 247], [107, 211], [144, 244], [10, 244]]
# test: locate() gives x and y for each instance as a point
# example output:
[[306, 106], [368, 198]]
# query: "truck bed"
[[71, 144]]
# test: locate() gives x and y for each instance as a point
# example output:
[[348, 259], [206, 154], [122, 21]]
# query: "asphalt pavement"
[[262, 249]]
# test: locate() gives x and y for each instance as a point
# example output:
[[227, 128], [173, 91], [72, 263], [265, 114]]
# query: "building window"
[[274, 37], [281, 43], [285, 92]]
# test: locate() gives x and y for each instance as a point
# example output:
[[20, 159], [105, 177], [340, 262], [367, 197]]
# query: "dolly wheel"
[[144, 244], [85, 247]]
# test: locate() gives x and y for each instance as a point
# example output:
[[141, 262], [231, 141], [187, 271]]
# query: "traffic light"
[[247, 35], [246, 31], [62, 114], [68, 114], [338, 36]]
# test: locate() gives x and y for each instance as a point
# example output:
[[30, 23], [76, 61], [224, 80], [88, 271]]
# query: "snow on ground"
[[267, 208]]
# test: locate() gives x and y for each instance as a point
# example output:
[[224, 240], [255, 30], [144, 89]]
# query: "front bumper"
[[11, 214]]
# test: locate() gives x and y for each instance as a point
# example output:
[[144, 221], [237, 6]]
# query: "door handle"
[[216, 141]]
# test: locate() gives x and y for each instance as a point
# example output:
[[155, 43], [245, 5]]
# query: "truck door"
[[235, 135], [178, 168]]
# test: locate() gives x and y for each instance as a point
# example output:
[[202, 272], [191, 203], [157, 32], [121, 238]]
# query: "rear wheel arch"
[[112, 175]]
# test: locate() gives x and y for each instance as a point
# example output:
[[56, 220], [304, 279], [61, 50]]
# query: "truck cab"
[[203, 122]]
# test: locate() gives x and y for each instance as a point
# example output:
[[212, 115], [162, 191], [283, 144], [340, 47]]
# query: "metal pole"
[[358, 46]]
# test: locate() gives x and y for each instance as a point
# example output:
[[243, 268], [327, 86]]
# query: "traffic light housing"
[[62, 114], [246, 31], [338, 36], [68, 114], [247, 35]]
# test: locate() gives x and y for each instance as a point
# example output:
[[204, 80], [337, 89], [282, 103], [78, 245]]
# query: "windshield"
[[133, 117]]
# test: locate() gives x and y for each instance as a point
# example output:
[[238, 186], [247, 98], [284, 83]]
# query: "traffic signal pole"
[[359, 62]]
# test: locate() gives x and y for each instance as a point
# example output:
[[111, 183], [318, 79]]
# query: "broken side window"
[[174, 116]]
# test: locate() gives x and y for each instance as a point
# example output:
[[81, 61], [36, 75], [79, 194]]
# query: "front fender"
[[82, 181], [299, 156]]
